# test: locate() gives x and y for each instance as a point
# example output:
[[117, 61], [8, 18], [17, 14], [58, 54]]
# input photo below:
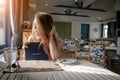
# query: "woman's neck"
[[35, 38]]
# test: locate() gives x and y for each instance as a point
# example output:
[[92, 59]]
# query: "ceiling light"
[[46, 4], [64, 9], [99, 18], [76, 0]]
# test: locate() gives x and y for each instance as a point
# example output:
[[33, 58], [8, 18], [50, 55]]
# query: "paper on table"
[[38, 65]]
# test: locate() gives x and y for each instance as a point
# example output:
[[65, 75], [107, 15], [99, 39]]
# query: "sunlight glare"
[[2, 5], [2, 1], [86, 69]]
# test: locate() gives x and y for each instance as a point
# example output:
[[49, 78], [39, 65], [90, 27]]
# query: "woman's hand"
[[25, 45], [52, 31]]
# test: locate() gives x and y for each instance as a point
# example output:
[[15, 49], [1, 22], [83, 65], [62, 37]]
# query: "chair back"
[[69, 48], [97, 52]]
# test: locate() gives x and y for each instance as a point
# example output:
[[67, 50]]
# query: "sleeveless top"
[[35, 51]]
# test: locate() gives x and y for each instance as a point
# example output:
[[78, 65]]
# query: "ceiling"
[[49, 7]]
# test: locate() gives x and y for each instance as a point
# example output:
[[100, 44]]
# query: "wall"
[[94, 34], [117, 6], [76, 25], [76, 30]]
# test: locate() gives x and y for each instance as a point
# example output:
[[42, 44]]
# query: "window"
[[2, 22], [105, 31], [109, 30]]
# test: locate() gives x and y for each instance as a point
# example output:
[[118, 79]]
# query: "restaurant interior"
[[89, 35]]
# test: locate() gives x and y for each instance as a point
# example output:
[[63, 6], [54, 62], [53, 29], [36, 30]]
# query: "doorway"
[[85, 31]]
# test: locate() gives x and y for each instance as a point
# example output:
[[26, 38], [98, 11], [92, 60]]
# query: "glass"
[[11, 55]]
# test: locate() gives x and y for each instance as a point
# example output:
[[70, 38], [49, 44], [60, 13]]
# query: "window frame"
[[111, 30], [103, 30]]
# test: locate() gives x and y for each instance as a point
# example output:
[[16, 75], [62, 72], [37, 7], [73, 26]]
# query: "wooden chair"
[[97, 53], [115, 64], [69, 49], [82, 52]]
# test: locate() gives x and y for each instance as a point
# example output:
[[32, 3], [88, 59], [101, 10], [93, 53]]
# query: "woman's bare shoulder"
[[29, 38]]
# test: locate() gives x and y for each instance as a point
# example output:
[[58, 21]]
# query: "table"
[[110, 48], [83, 70]]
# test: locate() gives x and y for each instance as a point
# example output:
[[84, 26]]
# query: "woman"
[[44, 32]]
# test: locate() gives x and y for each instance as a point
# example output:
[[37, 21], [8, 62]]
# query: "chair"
[[114, 58], [113, 61], [69, 49], [82, 51], [97, 53]]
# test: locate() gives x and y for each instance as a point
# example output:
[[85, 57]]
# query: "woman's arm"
[[26, 42], [53, 44], [25, 45], [57, 39]]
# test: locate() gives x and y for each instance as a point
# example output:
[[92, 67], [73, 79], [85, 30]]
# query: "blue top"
[[35, 51]]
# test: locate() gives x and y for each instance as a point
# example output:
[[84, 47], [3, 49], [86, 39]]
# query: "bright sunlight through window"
[[105, 31], [2, 1], [2, 22]]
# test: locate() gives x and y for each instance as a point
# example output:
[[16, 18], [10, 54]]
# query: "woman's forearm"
[[54, 51]]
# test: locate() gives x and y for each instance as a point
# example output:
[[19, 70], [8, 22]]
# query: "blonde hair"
[[46, 22]]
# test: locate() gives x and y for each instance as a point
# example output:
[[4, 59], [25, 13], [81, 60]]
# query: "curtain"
[[63, 29], [15, 16], [102, 30], [15, 21], [111, 29]]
